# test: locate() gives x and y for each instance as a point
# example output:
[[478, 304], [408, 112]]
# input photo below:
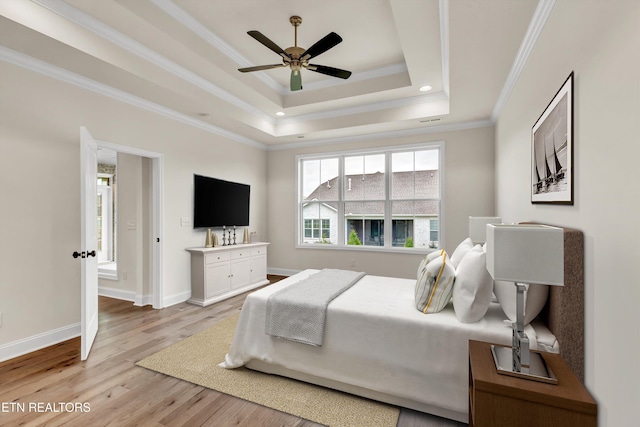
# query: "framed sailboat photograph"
[[552, 150]]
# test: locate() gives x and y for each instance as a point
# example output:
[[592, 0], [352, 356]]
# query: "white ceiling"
[[181, 57]]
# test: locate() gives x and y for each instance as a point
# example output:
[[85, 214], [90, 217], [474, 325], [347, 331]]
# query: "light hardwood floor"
[[109, 390]]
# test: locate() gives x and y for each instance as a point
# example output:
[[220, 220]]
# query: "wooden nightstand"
[[497, 400]]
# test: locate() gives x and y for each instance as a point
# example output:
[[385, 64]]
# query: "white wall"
[[600, 42], [40, 120], [469, 190]]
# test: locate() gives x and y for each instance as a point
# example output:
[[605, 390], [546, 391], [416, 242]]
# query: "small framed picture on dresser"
[[552, 150]]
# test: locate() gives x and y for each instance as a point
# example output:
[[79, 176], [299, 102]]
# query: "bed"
[[377, 345]]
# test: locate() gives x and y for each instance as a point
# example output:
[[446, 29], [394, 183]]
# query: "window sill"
[[107, 274], [362, 248]]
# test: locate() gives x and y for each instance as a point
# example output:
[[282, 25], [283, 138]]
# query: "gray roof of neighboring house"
[[404, 185]]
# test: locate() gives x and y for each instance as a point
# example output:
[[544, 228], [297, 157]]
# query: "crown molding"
[[365, 108], [360, 76], [44, 68], [385, 135], [180, 15], [104, 31], [538, 21], [183, 17], [444, 43]]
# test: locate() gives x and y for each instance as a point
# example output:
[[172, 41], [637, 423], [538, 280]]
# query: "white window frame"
[[440, 145]]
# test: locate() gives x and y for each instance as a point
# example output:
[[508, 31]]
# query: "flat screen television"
[[217, 203]]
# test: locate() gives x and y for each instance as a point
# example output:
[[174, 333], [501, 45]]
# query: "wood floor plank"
[[198, 402], [118, 393]]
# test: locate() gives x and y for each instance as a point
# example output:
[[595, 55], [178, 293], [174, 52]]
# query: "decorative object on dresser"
[[208, 242], [533, 254], [501, 400], [221, 272], [552, 150]]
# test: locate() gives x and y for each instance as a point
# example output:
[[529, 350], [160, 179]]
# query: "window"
[[316, 228], [105, 218], [355, 199]]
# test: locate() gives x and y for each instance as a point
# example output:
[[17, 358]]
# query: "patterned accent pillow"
[[435, 285], [433, 255]]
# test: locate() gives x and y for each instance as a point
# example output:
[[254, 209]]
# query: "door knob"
[[83, 254]]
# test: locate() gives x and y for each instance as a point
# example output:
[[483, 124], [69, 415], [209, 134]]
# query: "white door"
[[89, 241]]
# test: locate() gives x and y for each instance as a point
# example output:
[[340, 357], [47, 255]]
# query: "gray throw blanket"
[[298, 312]]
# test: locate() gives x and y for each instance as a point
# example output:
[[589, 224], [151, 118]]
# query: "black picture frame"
[[552, 150]]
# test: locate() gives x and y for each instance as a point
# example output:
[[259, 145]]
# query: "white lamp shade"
[[526, 253], [478, 227]]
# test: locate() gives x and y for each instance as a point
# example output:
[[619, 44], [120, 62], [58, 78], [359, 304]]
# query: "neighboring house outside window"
[[317, 228], [350, 199]]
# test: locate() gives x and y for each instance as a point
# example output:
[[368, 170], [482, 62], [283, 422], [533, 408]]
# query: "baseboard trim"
[[117, 293], [39, 341], [142, 300], [176, 298]]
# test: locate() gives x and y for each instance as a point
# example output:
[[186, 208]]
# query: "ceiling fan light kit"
[[297, 58]]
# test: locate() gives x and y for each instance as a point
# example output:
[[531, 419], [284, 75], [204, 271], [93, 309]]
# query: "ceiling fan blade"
[[260, 68], [321, 46], [268, 43], [296, 80], [330, 71]]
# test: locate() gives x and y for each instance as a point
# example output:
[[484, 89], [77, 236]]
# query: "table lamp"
[[478, 227], [532, 254]]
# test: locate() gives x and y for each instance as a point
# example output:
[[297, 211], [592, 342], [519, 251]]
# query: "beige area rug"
[[195, 359]]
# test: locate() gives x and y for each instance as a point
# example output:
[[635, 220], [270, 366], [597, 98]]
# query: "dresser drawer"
[[216, 257], [259, 251], [240, 253]]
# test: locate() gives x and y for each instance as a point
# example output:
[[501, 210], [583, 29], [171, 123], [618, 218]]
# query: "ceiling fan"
[[298, 58]]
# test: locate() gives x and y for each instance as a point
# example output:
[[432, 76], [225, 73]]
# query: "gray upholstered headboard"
[[564, 312]]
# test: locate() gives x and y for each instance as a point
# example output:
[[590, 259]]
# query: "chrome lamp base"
[[518, 361], [537, 370]]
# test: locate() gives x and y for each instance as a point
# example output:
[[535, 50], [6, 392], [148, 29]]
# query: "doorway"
[[107, 215], [136, 225]]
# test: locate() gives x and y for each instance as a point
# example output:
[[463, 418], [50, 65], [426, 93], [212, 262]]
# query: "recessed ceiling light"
[[425, 88], [280, 113]]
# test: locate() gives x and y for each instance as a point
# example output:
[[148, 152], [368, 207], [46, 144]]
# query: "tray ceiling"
[[182, 56]]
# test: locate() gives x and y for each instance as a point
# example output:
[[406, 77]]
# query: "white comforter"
[[377, 340]]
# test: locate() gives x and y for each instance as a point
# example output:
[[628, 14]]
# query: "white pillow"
[[535, 298], [462, 249], [433, 255], [473, 287], [435, 285]]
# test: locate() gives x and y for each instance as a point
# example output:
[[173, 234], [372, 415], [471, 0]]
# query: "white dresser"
[[225, 271]]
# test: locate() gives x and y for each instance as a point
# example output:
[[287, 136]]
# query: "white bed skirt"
[[377, 345]]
